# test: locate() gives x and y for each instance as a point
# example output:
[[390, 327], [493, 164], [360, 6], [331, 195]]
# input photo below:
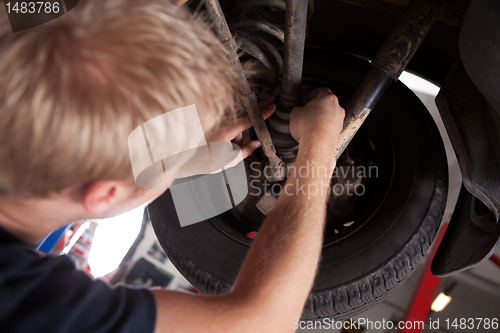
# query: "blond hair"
[[73, 89]]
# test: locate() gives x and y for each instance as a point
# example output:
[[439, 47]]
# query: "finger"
[[269, 110], [239, 125], [265, 102], [243, 123], [315, 94], [248, 148], [238, 139]]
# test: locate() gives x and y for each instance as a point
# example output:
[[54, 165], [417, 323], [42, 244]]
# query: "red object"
[[495, 259], [252, 234], [425, 290]]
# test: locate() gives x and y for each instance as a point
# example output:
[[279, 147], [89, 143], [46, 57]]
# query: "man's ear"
[[101, 196]]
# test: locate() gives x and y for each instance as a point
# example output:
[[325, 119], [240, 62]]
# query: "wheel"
[[370, 249]]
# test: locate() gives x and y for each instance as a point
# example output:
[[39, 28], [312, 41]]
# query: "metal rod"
[[291, 87], [248, 97], [293, 54], [389, 62]]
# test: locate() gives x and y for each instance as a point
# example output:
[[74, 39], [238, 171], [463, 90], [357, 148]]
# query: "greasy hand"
[[321, 117], [231, 129]]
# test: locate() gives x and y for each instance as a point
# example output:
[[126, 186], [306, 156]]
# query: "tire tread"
[[377, 286]]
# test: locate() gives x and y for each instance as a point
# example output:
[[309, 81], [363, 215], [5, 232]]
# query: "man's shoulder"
[[47, 293]]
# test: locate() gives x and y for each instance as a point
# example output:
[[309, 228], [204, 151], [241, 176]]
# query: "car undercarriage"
[[389, 189]]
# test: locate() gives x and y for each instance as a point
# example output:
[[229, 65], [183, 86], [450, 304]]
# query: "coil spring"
[[258, 26]]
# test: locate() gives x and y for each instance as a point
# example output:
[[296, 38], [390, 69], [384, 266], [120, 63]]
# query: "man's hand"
[[278, 272], [231, 129], [321, 115]]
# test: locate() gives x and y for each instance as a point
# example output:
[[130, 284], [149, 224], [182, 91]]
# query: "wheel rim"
[[373, 153]]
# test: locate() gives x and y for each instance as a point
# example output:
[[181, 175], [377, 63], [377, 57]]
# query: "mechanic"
[[71, 92]]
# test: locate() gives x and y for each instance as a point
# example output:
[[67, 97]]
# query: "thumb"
[[248, 148]]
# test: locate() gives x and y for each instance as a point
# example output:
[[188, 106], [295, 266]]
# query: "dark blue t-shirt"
[[47, 294]]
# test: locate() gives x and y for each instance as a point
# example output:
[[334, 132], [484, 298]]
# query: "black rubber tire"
[[360, 271]]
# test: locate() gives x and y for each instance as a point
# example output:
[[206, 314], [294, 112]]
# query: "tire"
[[396, 228]]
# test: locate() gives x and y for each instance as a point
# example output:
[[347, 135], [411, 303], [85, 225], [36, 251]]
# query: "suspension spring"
[[259, 27]]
